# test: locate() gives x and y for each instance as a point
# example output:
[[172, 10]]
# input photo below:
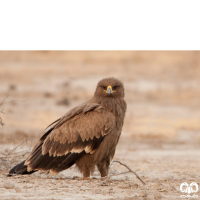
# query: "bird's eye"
[[115, 87], [104, 87]]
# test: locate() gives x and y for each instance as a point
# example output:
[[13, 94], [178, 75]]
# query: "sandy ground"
[[161, 133]]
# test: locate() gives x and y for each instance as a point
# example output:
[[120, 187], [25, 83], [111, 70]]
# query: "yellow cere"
[[110, 89]]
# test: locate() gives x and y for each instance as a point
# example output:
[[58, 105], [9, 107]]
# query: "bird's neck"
[[115, 105]]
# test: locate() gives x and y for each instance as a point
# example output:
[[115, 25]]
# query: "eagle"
[[86, 136]]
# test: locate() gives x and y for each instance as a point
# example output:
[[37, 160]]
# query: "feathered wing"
[[79, 132]]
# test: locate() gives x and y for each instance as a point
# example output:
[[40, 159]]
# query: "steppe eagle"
[[86, 136]]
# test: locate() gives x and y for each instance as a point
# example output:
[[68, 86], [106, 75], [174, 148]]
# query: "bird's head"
[[110, 87]]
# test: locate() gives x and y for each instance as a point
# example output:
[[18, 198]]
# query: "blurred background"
[[161, 89]]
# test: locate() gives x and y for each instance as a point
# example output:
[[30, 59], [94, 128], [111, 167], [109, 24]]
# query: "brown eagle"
[[86, 136]]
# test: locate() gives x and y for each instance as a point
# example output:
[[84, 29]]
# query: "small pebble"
[[8, 185]]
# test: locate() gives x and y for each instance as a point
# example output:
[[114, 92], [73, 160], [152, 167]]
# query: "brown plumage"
[[86, 135]]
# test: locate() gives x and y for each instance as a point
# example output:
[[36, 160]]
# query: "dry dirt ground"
[[161, 133]]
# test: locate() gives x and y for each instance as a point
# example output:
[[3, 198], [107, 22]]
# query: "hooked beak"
[[109, 90]]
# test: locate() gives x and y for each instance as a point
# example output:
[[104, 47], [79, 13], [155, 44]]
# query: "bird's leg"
[[86, 174], [103, 167]]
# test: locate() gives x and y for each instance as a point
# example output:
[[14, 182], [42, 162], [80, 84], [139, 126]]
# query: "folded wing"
[[79, 132]]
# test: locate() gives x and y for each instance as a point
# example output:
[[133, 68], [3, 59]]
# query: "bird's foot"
[[86, 178]]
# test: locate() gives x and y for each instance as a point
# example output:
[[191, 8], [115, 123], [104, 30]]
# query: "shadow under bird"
[[86, 136]]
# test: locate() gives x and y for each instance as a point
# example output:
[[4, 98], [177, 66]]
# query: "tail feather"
[[20, 169]]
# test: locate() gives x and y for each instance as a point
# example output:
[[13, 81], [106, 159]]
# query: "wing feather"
[[78, 132], [74, 135]]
